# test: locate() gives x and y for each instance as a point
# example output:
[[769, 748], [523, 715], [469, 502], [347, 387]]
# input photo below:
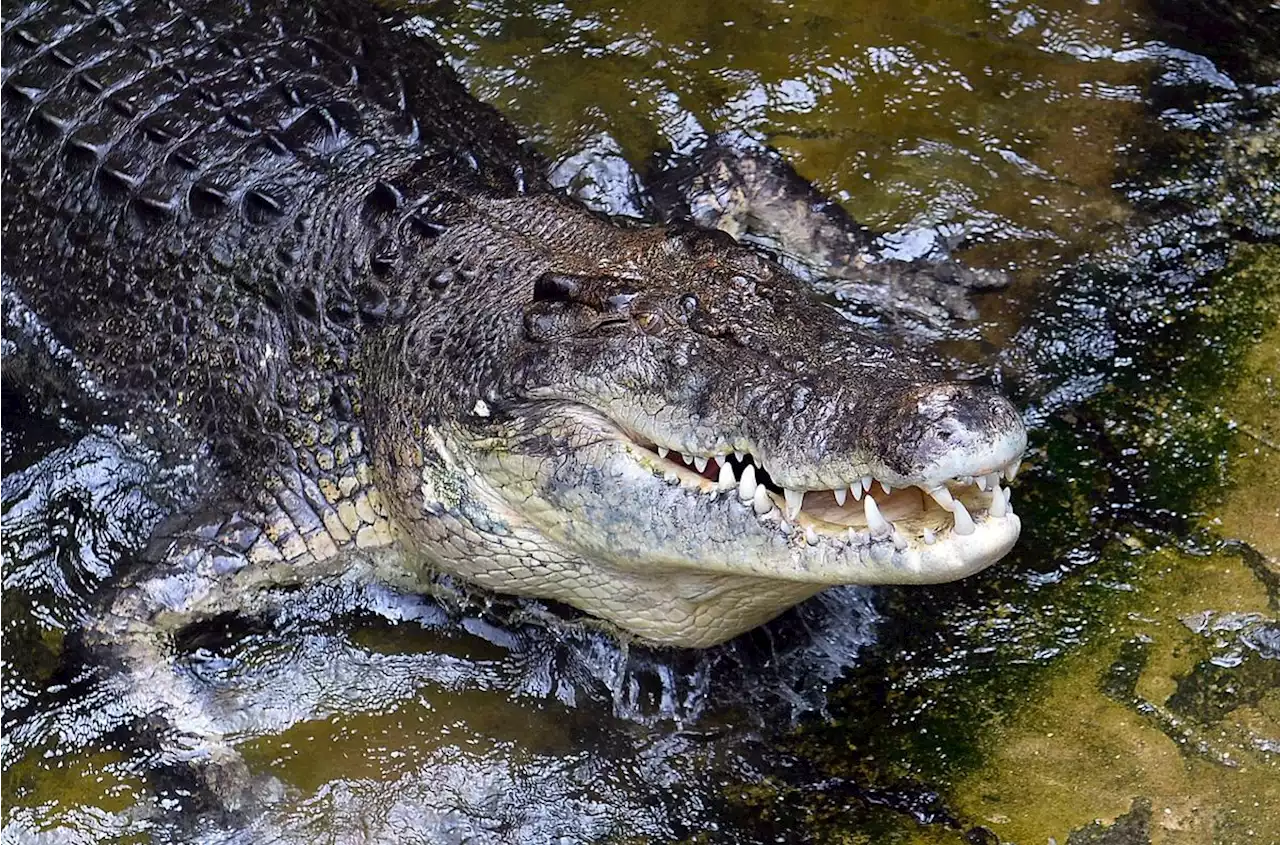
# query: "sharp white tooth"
[[966, 480], [1008, 495], [1011, 471], [929, 537], [993, 480], [700, 463], [663, 451], [999, 504], [964, 523], [726, 480], [887, 489], [795, 501], [866, 483], [875, 521], [810, 535], [739, 455], [684, 459], [943, 497], [856, 489], [721, 458], [760, 501], [841, 495], [982, 482], [899, 542], [747, 484]]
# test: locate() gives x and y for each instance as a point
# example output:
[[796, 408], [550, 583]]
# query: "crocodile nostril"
[[556, 287]]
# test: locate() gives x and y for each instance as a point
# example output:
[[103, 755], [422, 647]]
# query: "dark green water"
[[1119, 159]]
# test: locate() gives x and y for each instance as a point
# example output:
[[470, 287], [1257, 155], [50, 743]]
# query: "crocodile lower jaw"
[[903, 534]]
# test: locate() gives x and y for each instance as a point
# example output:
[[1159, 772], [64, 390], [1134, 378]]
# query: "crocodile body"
[[218, 217], [288, 230]]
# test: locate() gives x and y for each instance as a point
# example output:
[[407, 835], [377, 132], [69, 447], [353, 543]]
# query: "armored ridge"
[[288, 227], [195, 190]]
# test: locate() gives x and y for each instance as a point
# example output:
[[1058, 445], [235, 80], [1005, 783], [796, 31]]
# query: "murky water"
[[1111, 156]]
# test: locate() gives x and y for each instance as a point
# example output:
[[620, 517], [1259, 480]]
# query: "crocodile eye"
[[651, 322]]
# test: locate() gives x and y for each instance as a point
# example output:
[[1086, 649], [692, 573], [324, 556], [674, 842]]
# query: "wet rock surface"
[[1133, 828]]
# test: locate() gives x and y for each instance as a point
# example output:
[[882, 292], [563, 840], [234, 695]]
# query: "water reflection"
[[999, 120]]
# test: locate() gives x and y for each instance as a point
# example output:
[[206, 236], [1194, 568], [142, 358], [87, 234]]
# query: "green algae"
[[1111, 724], [1243, 509]]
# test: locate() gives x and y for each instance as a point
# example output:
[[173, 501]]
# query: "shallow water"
[[1115, 158]]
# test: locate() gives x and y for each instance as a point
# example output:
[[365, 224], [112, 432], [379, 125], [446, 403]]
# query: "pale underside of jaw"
[[866, 509]]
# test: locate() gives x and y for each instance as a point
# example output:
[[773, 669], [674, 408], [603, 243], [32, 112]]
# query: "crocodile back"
[[213, 199]]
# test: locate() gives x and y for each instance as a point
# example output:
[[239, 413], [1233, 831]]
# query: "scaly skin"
[[751, 193], [290, 230]]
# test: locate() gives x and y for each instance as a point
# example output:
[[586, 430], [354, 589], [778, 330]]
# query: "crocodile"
[[739, 186], [285, 233]]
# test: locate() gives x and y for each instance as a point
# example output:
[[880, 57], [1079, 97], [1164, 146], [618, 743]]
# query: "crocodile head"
[[689, 443]]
